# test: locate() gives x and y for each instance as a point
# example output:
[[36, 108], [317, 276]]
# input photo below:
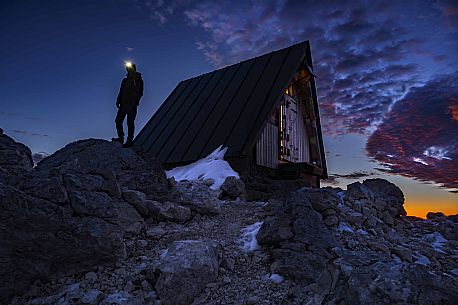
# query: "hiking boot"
[[128, 143], [120, 140]]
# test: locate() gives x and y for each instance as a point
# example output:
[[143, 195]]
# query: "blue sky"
[[379, 64]]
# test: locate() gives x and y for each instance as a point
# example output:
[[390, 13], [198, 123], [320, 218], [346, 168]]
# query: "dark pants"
[[131, 112]]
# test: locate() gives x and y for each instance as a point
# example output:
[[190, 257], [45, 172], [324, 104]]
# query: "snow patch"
[[341, 199], [164, 253], [250, 243], [437, 241], [276, 278], [454, 272], [362, 232], [211, 167], [117, 298], [455, 254], [421, 259], [344, 227]]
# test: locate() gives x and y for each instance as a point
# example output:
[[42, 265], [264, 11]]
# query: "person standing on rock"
[[127, 102]]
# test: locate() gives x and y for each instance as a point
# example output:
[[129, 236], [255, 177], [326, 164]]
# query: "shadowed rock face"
[[369, 254], [15, 158], [67, 215], [93, 206], [39, 239]]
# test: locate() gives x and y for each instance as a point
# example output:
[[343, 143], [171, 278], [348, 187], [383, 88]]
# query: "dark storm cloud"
[[418, 138]]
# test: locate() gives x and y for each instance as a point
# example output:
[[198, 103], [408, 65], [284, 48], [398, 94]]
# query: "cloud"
[[449, 9], [159, 10], [354, 175], [24, 116], [359, 54], [335, 179], [418, 138], [28, 133], [366, 58]]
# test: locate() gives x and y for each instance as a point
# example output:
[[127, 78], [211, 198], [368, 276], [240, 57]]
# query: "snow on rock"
[[341, 199], [276, 278], [211, 167], [362, 232], [421, 259], [250, 243], [343, 227], [437, 241]]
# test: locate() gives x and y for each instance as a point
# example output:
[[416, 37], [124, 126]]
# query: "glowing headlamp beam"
[[128, 64]]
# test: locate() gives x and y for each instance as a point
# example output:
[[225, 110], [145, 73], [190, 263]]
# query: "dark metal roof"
[[225, 107]]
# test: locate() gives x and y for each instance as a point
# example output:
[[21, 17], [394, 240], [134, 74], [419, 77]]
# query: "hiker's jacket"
[[131, 90]]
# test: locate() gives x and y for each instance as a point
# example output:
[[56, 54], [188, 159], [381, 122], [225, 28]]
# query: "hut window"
[[289, 89]]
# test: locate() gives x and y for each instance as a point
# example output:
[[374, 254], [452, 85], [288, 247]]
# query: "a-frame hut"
[[263, 109]]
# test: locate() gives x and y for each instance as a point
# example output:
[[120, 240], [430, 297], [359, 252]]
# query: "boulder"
[[116, 165], [168, 211], [384, 281], [94, 156], [184, 270], [128, 217], [358, 191], [434, 215], [300, 241], [232, 188], [137, 200], [41, 239], [198, 197], [387, 196]]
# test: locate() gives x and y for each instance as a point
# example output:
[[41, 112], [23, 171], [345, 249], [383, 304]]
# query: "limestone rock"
[[198, 197], [95, 156], [388, 195], [434, 215], [293, 228], [185, 269], [136, 199], [128, 217], [232, 188], [168, 211], [96, 204], [46, 187], [15, 158], [48, 240]]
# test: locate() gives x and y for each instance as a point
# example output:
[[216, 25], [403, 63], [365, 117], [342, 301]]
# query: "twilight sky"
[[387, 75]]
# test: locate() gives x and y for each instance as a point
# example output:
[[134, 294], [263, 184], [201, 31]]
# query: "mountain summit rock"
[[94, 223]]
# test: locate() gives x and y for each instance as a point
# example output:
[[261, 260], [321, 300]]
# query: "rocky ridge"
[[98, 224]]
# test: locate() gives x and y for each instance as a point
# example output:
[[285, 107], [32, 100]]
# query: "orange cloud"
[[454, 108]]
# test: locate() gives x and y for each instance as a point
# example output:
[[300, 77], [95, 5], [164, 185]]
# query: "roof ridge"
[[240, 62]]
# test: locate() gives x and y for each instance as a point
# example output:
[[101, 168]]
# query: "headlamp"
[[128, 64]]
